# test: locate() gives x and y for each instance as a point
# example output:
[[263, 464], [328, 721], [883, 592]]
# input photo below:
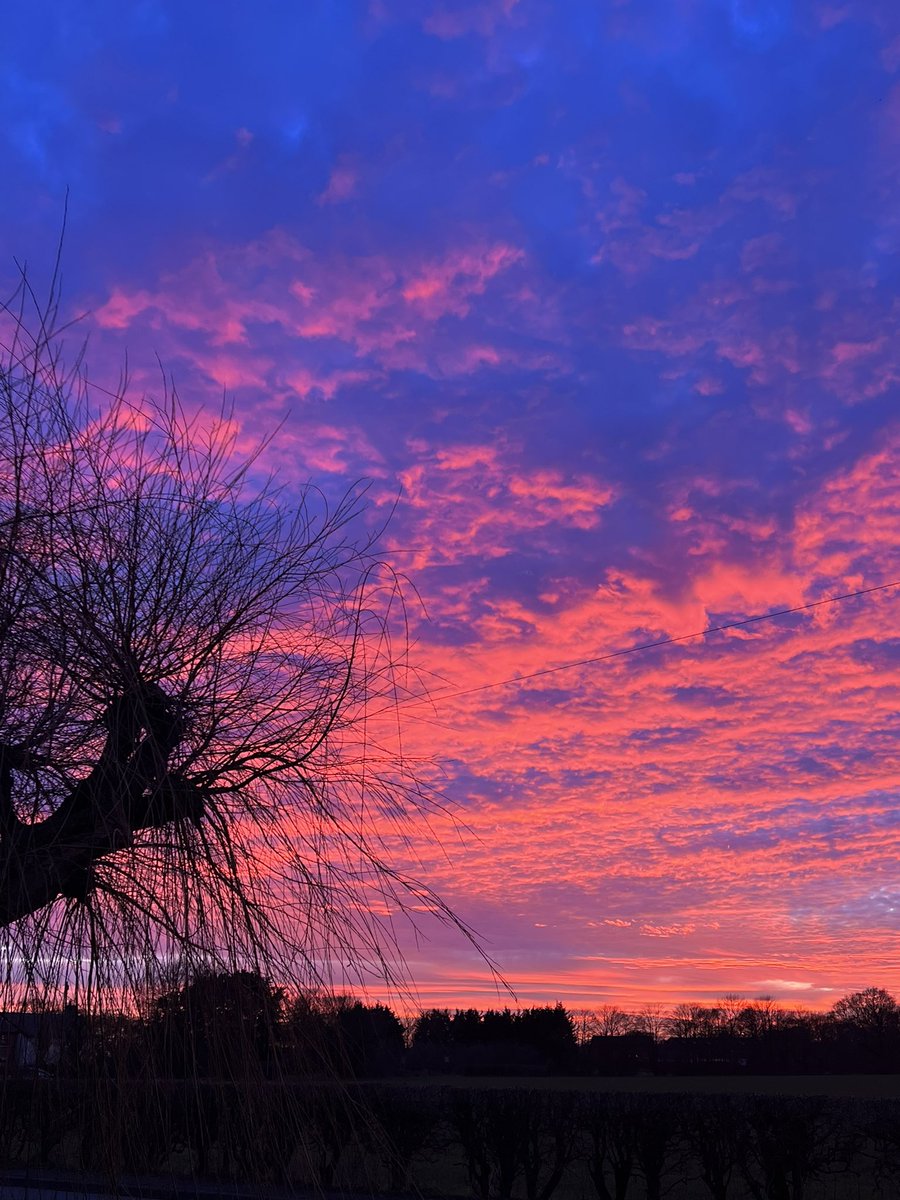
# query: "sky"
[[602, 297]]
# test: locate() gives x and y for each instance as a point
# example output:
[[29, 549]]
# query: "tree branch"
[[127, 790]]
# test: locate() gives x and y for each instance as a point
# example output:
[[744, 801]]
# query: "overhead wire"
[[426, 697]]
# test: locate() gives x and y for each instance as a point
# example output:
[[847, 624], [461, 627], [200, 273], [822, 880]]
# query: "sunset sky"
[[603, 294]]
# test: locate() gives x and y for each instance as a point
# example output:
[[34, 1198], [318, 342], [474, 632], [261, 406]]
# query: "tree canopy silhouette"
[[191, 662]]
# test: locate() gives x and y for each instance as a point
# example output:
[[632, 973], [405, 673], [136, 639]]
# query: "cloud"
[[342, 184], [383, 311], [482, 18], [472, 502], [447, 286]]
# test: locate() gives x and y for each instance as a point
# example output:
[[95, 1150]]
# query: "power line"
[[669, 641]]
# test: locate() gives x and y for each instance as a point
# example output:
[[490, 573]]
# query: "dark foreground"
[[863, 1087], [49, 1185], [639, 1138]]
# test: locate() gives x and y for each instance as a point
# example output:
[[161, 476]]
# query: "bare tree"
[[192, 674], [872, 1009], [611, 1021], [653, 1019]]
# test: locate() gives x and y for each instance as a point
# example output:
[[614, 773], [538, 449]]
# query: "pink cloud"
[[850, 352], [197, 298], [855, 518], [121, 308], [482, 18], [462, 458], [890, 55], [709, 386], [307, 383], [446, 286], [761, 252], [578, 502], [472, 502], [767, 184], [341, 185], [800, 422], [385, 311], [332, 450], [831, 15], [630, 241], [632, 237], [233, 371]]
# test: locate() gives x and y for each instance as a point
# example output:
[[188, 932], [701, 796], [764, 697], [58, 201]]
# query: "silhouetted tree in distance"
[[872, 1009], [433, 1042], [220, 1024], [466, 1025], [868, 1029], [537, 1039], [434, 1027], [369, 1039], [549, 1030], [611, 1021]]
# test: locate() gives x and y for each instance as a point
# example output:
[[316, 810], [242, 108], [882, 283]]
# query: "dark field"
[[683, 1138], [861, 1087]]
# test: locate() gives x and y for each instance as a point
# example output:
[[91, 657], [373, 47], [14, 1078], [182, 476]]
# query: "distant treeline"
[[225, 1025], [860, 1033]]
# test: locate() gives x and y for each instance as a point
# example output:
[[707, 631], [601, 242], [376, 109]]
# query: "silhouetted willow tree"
[[189, 668]]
